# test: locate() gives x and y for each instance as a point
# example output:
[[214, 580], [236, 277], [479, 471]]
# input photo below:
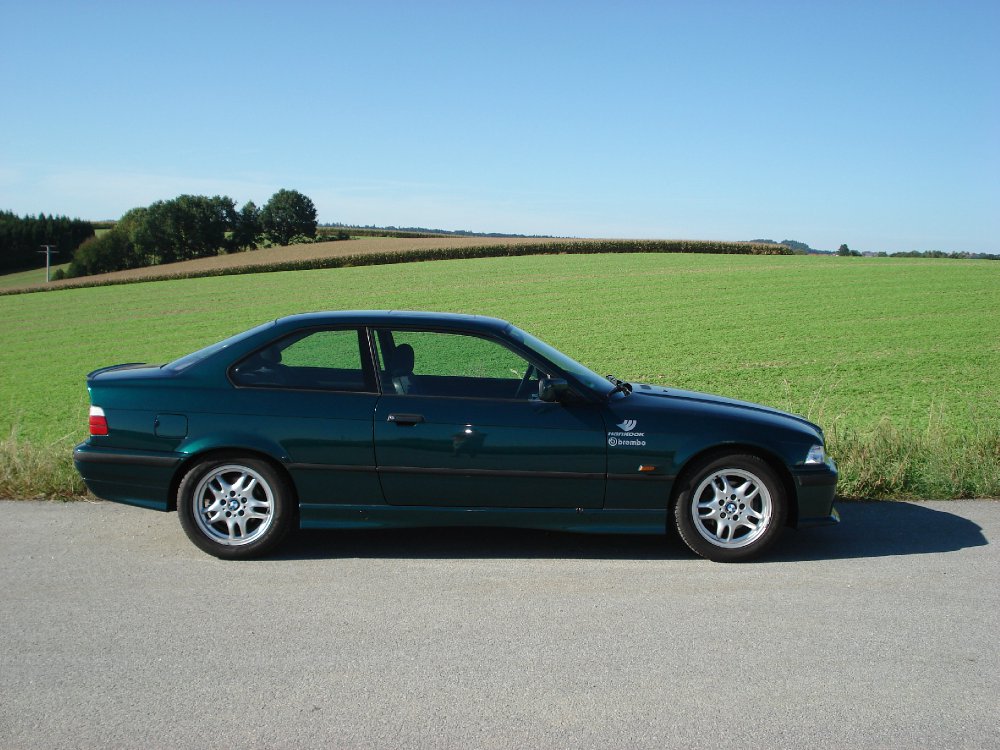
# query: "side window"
[[336, 350], [317, 360], [432, 363]]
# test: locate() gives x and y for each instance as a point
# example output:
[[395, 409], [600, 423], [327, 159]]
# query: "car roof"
[[395, 318]]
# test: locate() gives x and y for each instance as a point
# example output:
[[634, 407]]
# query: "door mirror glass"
[[552, 389]]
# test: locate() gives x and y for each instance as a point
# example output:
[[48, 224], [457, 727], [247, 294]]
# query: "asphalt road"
[[115, 631]]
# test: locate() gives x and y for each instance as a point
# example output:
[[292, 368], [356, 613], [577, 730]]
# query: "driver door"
[[460, 424]]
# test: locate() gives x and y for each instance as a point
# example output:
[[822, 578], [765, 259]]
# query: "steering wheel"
[[523, 387]]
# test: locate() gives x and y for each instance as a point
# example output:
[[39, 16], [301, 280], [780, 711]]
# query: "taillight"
[[98, 422]]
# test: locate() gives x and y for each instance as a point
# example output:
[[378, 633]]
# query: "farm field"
[[27, 278], [284, 254], [367, 251], [898, 359]]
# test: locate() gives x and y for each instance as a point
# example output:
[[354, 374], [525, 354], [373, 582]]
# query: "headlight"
[[816, 455]]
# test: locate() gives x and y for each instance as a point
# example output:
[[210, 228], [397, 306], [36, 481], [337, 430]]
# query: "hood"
[[646, 391]]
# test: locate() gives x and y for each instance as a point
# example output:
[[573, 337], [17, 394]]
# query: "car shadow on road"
[[476, 543], [867, 529], [881, 529]]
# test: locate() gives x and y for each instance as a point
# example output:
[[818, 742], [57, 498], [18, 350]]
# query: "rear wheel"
[[731, 508], [235, 508]]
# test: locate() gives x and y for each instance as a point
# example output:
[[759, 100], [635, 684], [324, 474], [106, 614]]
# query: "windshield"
[[190, 359], [587, 377]]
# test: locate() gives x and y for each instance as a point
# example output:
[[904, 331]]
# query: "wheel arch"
[[223, 452], [727, 449]]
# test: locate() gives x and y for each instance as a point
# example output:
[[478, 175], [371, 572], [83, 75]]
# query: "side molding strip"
[[133, 459]]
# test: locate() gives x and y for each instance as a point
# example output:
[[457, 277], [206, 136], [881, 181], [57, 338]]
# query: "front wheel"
[[234, 508], [731, 508]]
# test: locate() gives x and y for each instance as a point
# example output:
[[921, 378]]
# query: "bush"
[[112, 251]]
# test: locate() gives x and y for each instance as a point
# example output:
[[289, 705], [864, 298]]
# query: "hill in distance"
[[796, 245], [439, 232]]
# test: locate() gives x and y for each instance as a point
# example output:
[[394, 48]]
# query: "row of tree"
[[846, 251], [194, 226], [22, 237], [959, 254]]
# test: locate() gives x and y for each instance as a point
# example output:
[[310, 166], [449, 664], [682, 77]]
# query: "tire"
[[731, 508], [235, 507]]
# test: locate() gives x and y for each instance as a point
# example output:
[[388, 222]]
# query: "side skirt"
[[579, 520]]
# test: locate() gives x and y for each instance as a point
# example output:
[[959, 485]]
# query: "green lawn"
[[880, 349]]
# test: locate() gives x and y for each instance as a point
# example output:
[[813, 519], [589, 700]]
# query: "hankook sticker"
[[626, 436]]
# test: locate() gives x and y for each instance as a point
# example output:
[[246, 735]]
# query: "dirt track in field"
[[293, 253]]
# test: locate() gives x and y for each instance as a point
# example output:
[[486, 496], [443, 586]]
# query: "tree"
[[188, 226], [247, 228], [801, 248], [141, 236], [185, 227], [287, 214], [843, 250], [21, 238], [194, 226], [112, 251]]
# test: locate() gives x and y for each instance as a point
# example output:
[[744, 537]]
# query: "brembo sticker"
[[626, 436]]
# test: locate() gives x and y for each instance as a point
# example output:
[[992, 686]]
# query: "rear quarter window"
[[195, 357], [317, 360]]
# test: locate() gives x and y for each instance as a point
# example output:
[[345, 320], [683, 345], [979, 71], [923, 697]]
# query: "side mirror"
[[552, 389]]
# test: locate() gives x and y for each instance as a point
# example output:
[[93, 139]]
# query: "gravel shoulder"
[[115, 631]]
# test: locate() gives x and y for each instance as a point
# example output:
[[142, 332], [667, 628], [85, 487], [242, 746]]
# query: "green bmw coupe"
[[378, 419]]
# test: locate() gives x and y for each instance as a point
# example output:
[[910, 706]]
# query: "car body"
[[355, 419]]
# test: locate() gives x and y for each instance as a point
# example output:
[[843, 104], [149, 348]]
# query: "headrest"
[[271, 355], [402, 361]]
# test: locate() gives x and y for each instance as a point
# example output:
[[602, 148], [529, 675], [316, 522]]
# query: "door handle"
[[406, 420]]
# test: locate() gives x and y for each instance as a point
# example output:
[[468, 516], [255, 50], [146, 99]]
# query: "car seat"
[[401, 369]]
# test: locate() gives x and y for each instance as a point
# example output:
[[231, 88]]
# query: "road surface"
[[115, 631]]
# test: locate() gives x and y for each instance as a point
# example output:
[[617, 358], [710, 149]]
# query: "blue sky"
[[876, 123]]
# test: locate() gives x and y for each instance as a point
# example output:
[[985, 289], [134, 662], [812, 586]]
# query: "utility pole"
[[47, 252]]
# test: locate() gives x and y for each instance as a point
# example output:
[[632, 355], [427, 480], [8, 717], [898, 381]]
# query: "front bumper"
[[815, 488], [127, 476]]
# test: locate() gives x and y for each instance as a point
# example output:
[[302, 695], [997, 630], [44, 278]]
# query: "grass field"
[[898, 359], [27, 278]]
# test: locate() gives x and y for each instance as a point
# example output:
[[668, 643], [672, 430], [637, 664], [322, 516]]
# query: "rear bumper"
[[815, 487], [127, 476]]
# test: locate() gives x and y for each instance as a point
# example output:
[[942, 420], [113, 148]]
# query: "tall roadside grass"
[[32, 471], [887, 462], [884, 462]]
